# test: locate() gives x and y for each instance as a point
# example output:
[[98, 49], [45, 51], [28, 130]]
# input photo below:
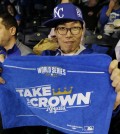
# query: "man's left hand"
[[115, 77]]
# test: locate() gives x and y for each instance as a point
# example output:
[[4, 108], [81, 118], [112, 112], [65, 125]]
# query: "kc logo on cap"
[[58, 12]]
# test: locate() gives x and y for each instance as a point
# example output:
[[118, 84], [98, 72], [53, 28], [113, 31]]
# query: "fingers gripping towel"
[[71, 94]]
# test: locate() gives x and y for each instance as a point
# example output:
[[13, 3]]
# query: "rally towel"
[[71, 94]]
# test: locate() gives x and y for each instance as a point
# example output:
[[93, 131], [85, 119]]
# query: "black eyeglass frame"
[[72, 30]]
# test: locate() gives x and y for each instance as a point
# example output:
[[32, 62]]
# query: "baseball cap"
[[64, 12]]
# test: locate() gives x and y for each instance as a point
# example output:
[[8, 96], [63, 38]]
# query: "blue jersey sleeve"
[[103, 17]]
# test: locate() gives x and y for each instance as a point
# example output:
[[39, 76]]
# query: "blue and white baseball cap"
[[64, 12]]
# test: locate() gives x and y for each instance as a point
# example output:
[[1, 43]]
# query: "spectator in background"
[[90, 11], [108, 15], [27, 9], [9, 44], [11, 9]]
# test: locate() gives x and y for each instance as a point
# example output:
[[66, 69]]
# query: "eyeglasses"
[[64, 30]]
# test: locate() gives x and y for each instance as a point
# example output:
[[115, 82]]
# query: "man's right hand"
[[2, 81], [111, 6]]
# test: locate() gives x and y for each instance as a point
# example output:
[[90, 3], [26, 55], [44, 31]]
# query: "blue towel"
[[72, 94]]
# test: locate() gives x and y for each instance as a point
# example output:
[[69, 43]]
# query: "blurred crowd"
[[101, 16], [26, 11]]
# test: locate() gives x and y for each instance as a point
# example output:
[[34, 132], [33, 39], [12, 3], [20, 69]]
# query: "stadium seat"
[[32, 39]]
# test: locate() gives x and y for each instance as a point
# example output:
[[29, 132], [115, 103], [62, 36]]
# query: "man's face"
[[10, 10], [4, 34], [69, 43]]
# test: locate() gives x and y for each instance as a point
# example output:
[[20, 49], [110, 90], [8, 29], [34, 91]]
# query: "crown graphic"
[[63, 92]]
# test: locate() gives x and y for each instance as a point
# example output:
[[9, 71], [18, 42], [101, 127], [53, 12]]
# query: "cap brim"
[[54, 22]]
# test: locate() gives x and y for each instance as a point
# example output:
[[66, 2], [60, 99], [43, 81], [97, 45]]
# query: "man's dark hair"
[[9, 21], [65, 21]]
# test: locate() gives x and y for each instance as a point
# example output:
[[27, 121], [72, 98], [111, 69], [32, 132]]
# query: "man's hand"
[[2, 58], [2, 81], [111, 7], [112, 4], [115, 77]]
